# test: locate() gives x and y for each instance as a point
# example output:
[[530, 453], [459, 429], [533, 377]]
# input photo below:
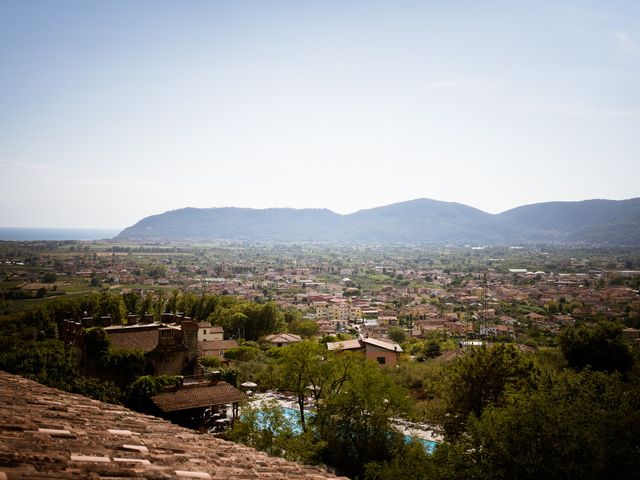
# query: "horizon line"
[[316, 208]]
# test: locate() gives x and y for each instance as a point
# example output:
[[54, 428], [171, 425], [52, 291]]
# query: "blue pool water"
[[428, 445], [293, 416]]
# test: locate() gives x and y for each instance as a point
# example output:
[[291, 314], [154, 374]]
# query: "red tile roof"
[[283, 338], [362, 343], [217, 345], [49, 434], [345, 345], [386, 344], [197, 396]]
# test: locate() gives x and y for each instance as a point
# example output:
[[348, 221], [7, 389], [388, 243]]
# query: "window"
[[204, 332], [222, 353], [381, 360]]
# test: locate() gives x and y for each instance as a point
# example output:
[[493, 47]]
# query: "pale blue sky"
[[114, 110]]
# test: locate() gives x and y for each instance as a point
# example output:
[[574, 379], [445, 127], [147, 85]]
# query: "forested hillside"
[[422, 221]]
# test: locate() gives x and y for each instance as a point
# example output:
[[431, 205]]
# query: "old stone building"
[[170, 347]]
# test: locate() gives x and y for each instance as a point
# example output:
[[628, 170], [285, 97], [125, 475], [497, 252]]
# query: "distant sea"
[[57, 233]]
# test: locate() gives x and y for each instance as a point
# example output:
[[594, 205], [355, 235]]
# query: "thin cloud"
[[583, 112], [626, 48], [468, 85], [35, 166], [591, 14], [73, 176], [575, 9]]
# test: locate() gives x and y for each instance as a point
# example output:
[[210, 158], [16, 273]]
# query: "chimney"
[[190, 335]]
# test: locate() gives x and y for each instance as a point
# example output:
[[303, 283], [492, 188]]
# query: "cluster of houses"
[[443, 304], [326, 289], [174, 345], [422, 301]]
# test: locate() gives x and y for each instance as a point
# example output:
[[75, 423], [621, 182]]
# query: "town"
[[220, 337], [523, 295]]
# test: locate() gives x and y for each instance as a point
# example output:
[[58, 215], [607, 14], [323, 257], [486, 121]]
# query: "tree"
[[304, 328], [96, 342], [409, 461], [431, 349], [172, 302], [94, 388], [156, 271], [599, 347], [49, 277], [242, 353], [140, 391], [479, 379], [355, 419], [292, 314], [47, 362], [566, 426], [112, 304], [131, 301], [160, 301], [269, 320], [229, 375], [397, 334], [354, 403], [144, 305], [237, 323], [251, 320], [268, 429], [300, 367], [210, 362], [50, 363]]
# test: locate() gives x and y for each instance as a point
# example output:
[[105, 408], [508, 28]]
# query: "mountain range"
[[421, 221]]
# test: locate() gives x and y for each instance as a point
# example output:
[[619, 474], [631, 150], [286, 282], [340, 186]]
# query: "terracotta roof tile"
[[216, 345], [345, 345], [97, 447], [283, 338], [197, 396], [386, 344]]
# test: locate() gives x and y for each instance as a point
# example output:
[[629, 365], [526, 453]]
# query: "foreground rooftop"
[[47, 433]]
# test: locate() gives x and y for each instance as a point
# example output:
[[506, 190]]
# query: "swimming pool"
[[293, 417]]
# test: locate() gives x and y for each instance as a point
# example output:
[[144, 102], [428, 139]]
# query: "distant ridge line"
[[420, 221]]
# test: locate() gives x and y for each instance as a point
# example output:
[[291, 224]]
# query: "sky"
[[113, 111]]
